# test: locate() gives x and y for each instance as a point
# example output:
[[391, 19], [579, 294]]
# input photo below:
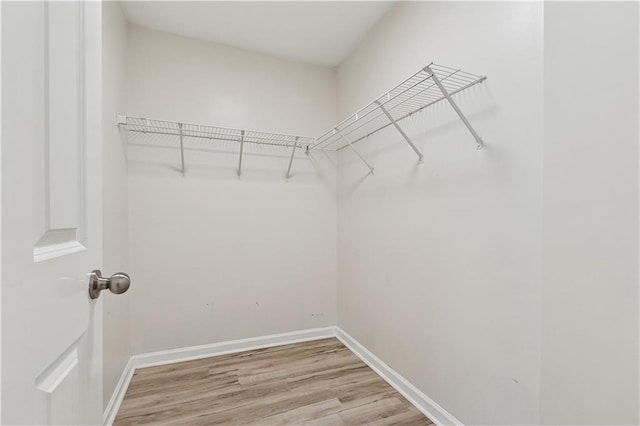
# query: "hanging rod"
[[185, 131], [432, 84]]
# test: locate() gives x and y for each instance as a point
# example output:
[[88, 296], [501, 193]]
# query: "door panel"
[[60, 398], [51, 212], [63, 128], [63, 79]]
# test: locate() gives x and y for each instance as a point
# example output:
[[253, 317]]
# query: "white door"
[[51, 212]]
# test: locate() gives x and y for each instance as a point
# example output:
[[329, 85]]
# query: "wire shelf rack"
[[213, 133], [184, 131], [416, 93], [430, 85]]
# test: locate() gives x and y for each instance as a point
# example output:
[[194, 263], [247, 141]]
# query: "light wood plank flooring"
[[320, 382]]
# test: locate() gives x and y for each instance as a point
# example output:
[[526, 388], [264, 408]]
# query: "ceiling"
[[317, 32]]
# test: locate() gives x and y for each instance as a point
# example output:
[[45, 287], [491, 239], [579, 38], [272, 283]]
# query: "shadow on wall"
[[399, 163], [159, 156]]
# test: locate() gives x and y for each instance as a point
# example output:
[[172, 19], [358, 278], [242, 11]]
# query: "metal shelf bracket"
[[355, 151], [399, 129], [293, 152], [121, 119], [241, 150], [181, 148], [455, 107]]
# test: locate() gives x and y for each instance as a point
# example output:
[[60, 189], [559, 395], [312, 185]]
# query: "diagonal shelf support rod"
[[293, 152], [399, 129], [241, 149], [355, 151], [181, 148], [455, 107]]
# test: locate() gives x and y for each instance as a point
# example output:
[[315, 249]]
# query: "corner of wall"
[[116, 315]]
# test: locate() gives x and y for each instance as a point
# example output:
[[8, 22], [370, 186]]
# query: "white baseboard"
[[422, 402], [223, 348], [118, 394], [425, 404], [204, 351]]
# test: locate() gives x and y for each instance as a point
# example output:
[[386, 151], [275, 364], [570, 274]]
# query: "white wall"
[[590, 280], [487, 278], [116, 318], [215, 257], [439, 263]]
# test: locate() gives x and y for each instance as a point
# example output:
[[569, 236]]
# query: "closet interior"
[[298, 180]]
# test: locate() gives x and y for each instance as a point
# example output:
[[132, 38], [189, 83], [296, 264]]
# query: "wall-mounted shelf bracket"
[[354, 150], [293, 152], [455, 107], [241, 150], [399, 129], [121, 119], [181, 148]]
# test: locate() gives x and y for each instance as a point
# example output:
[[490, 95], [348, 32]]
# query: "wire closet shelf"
[[201, 131], [427, 87], [182, 131], [430, 85]]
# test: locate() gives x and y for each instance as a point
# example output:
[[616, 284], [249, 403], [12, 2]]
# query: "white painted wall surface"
[[590, 279], [214, 257], [439, 263], [116, 319]]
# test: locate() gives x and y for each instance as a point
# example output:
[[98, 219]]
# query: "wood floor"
[[320, 382]]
